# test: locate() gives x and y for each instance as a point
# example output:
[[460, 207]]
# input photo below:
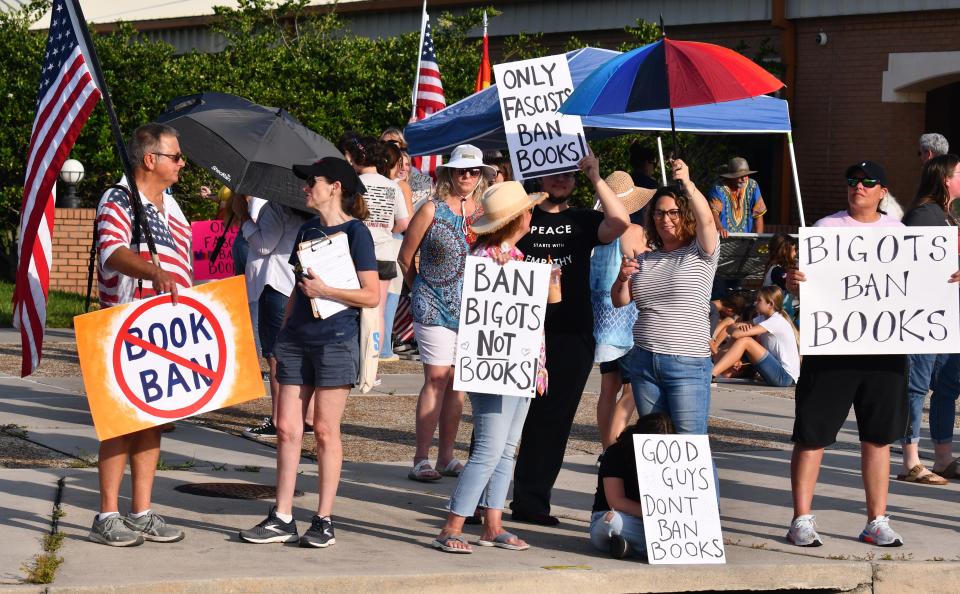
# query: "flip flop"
[[500, 541], [928, 479], [453, 468], [950, 471], [424, 473], [444, 544]]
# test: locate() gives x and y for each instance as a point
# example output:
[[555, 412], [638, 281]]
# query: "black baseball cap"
[[333, 169], [871, 170]]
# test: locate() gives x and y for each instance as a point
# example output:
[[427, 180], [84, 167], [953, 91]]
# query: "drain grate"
[[232, 490]]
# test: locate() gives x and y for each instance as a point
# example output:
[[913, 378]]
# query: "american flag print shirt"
[[171, 234]]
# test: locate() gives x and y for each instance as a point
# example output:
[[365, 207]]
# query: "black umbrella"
[[249, 147]]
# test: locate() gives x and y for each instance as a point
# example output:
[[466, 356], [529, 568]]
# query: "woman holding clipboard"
[[319, 357]]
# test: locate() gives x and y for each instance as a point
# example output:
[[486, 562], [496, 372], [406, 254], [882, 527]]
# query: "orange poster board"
[[151, 362]]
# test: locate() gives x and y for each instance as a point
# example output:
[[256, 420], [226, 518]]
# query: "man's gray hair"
[[935, 143], [146, 139]]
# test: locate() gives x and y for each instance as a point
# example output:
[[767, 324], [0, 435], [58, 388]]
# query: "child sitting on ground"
[[771, 342], [729, 310], [616, 524]]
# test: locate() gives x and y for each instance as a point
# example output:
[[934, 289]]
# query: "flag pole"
[[74, 5], [416, 79]]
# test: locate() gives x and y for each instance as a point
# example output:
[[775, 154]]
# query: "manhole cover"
[[232, 490]]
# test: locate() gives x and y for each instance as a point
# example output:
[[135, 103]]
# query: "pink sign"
[[205, 237]]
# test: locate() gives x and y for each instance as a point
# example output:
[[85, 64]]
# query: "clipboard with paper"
[[329, 259]]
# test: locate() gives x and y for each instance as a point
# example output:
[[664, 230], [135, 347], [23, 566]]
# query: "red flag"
[[429, 94], [483, 75], [65, 99]]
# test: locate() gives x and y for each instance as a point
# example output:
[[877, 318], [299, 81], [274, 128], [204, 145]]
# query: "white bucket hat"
[[467, 156]]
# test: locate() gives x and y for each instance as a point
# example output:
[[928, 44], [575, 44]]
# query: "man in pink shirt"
[[875, 385]]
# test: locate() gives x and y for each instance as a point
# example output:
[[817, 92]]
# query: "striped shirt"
[[672, 295], [171, 234]]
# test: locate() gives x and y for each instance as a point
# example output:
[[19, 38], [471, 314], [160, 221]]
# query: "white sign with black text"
[[501, 327], [681, 519], [541, 141], [878, 290]]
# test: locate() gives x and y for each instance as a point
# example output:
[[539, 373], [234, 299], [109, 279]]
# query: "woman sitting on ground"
[[776, 356], [616, 524], [498, 419]]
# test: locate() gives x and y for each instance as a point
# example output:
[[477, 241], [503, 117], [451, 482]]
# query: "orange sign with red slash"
[[150, 362]]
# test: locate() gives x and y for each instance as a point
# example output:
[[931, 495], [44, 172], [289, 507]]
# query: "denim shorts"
[[321, 366], [773, 372], [617, 365], [270, 310]]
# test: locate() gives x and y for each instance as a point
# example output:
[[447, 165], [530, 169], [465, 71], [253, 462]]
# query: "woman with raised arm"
[[670, 362]]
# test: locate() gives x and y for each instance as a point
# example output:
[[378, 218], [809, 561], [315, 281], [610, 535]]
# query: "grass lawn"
[[61, 307]]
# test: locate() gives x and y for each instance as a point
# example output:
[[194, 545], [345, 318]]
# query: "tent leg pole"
[[663, 164], [796, 180]]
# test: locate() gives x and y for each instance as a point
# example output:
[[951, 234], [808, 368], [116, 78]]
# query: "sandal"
[[502, 541], [950, 471], [453, 468], [931, 478], [443, 543], [423, 472]]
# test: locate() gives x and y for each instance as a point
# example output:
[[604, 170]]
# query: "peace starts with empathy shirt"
[[567, 237]]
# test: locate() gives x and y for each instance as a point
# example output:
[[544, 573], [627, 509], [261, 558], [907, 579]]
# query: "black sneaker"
[[320, 534], [265, 430], [619, 547], [307, 429], [272, 529]]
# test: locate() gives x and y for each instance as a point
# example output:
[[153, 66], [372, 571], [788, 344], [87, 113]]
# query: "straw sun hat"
[[633, 198], [502, 203]]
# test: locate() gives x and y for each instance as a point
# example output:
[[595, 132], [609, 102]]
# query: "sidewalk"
[[384, 521]]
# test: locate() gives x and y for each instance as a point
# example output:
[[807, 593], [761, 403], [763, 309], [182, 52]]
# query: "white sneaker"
[[879, 532], [803, 532]]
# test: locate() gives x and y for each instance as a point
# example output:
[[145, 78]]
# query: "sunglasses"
[[472, 172], [673, 214], [566, 175], [866, 181], [175, 157]]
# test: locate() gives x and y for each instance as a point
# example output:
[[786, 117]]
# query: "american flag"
[[66, 97], [429, 94]]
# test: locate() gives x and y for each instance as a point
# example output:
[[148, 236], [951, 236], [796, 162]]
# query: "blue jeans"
[[389, 313], [772, 372], [940, 373], [485, 480], [673, 384], [628, 526]]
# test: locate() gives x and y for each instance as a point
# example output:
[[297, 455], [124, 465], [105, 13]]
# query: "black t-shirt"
[[568, 237], [301, 325], [925, 215], [618, 461], [642, 180]]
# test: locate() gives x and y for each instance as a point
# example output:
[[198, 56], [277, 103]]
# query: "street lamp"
[[71, 174]]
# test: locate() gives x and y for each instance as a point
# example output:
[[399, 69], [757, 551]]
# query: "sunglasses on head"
[[471, 172], [866, 181]]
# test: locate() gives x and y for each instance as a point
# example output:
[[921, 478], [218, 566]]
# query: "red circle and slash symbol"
[[129, 339]]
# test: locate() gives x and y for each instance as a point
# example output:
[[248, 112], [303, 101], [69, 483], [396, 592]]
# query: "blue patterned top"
[[438, 286], [612, 326]]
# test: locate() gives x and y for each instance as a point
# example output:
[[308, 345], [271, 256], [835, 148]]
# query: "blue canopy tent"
[[476, 119]]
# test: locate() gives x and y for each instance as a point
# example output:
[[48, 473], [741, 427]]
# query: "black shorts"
[[876, 386], [321, 366], [386, 269], [616, 365]]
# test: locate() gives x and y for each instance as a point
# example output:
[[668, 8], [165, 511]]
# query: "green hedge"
[[277, 54]]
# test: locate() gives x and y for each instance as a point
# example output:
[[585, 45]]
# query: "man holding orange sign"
[[126, 273]]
